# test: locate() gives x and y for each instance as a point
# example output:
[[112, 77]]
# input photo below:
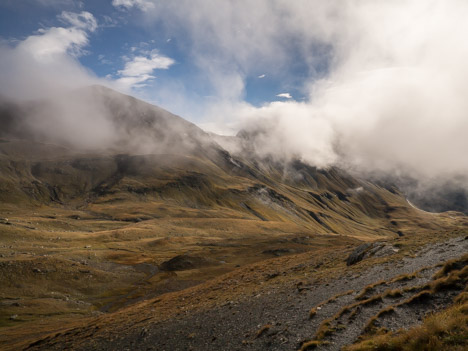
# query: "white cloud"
[[289, 130], [83, 20], [50, 43], [109, 22], [102, 58], [56, 41], [133, 82], [45, 66], [393, 75], [261, 76], [128, 4], [45, 63], [284, 95], [139, 69], [393, 87]]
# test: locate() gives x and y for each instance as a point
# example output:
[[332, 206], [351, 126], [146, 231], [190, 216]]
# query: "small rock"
[[13, 317], [271, 276]]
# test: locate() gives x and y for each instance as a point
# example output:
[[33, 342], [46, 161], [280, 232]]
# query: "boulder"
[[367, 250], [358, 254]]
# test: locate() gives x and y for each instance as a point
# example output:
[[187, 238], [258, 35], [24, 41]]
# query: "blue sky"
[[171, 61]]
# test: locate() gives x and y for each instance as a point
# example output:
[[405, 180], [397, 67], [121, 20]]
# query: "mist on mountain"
[[390, 101]]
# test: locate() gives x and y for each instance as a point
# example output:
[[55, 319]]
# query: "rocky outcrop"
[[368, 250]]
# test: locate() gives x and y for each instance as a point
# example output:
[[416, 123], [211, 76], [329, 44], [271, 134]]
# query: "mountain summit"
[[97, 118]]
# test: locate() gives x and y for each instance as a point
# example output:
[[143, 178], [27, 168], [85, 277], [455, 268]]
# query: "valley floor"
[[288, 314]]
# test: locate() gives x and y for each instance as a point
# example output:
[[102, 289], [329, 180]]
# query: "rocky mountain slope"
[[388, 295], [114, 212]]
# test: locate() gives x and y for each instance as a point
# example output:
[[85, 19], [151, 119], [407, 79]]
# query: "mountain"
[[98, 118], [108, 204]]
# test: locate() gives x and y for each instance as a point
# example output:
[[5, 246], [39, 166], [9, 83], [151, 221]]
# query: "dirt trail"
[[279, 319]]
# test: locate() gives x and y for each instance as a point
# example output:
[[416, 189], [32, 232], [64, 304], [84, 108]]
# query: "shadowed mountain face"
[[435, 196], [446, 196]]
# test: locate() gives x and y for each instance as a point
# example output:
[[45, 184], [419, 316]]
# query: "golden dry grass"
[[443, 331], [313, 310], [263, 330], [369, 288], [309, 345]]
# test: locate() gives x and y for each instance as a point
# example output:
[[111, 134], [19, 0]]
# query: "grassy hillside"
[[91, 233]]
